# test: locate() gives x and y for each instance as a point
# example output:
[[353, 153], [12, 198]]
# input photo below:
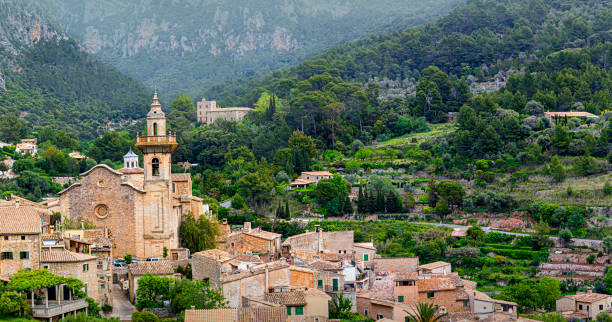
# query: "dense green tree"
[[200, 234], [557, 171]]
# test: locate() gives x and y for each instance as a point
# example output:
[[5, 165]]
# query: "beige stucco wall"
[[318, 306]]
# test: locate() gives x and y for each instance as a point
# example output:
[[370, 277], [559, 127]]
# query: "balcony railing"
[[170, 139], [55, 309]]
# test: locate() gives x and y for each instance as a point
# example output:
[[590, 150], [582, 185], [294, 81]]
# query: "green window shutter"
[[299, 310], [84, 267], [10, 255], [465, 303], [366, 257], [400, 299], [335, 284], [430, 295], [320, 283], [24, 255], [288, 310]]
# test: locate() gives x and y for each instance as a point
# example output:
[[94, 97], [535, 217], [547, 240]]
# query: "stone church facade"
[[142, 207]]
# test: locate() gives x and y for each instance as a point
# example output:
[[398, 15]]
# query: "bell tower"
[[156, 146], [159, 222]]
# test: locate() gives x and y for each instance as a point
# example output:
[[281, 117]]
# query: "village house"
[[584, 306], [402, 286], [487, 308], [62, 262], [20, 238], [208, 112], [319, 241], [27, 243], [270, 277], [365, 253], [302, 305], [95, 242], [211, 265], [145, 218], [27, 146], [310, 177], [252, 241], [562, 115]]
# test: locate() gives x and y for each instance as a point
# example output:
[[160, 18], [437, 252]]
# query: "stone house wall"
[[208, 268], [300, 279], [15, 244], [338, 241], [243, 243], [75, 269], [444, 299]]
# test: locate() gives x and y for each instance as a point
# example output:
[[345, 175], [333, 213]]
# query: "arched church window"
[[154, 129], [155, 167]]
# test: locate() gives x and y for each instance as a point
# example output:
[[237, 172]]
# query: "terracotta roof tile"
[[216, 254], [262, 234], [20, 220], [433, 265], [294, 298], [589, 297], [317, 173], [323, 265], [164, 267], [131, 170], [62, 255], [435, 284]]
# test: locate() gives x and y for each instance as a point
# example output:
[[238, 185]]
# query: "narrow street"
[[122, 308]]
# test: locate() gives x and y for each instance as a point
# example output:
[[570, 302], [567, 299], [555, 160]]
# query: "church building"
[[142, 207]]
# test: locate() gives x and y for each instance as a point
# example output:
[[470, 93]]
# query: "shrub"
[[144, 317]]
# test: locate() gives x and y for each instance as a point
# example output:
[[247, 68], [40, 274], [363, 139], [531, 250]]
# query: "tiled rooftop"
[[62, 255], [20, 220], [164, 267]]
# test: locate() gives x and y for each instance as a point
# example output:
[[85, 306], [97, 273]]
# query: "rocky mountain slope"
[[46, 78], [181, 45]]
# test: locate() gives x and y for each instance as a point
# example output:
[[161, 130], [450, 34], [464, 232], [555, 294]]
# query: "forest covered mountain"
[[478, 39], [46, 78], [185, 46]]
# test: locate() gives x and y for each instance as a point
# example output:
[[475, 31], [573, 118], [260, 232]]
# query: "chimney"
[[589, 291], [247, 226], [16, 203], [266, 277], [225, 221], [317, 228]]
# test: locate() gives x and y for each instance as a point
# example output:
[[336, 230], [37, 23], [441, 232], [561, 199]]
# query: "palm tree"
[[425, 312], [341, 306]]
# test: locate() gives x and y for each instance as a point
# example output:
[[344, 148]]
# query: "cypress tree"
[[361, 202], [348, 205], [380, 202], [287, 213], [279, 210]]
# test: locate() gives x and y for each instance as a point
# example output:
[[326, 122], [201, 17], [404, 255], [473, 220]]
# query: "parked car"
[[155, 259]]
